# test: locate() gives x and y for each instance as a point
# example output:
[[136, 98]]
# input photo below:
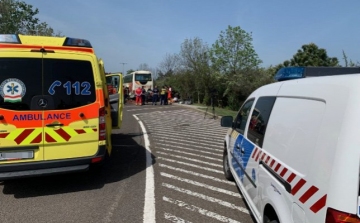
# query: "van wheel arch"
[[226, 165], [270, 215]]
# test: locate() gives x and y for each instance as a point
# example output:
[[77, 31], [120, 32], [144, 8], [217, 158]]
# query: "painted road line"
[[213, 139], [185, 148], [191, 154], [187, 144], [149, 204], [206, 198], [173, 218], [190, 159], [182, 130], [195, 183], [195, 143], [191, 165], [197, 174], [200, 210], [192, 125]]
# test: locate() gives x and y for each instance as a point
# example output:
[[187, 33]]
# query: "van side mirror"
[[226, 121]]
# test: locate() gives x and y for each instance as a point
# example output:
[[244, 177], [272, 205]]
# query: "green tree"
[[19, 17], [233, 51], [129, 71], [234, 56], [194, 57], [312, 55]]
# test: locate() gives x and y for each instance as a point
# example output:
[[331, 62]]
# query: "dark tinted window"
[[128, 78], [112, 83], [242, 116], [259, 119], [20, 81], [69, 82], [142, 77]]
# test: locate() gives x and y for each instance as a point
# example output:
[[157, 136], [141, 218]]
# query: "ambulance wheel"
[[226, 167]]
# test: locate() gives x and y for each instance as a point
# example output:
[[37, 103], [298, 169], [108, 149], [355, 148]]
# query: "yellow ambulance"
[[56, 114]]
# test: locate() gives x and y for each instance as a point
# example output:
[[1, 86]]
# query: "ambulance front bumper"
[[43, 168]]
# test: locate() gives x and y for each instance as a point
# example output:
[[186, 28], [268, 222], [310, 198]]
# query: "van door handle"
[[54, 124], [242, 150]]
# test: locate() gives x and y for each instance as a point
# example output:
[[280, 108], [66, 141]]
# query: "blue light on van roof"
[[288, 73], [77, 42], [9, 38]]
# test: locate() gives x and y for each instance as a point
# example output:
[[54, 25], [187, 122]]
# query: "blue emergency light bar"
[[290, 73], [77, 42], [9, 38]]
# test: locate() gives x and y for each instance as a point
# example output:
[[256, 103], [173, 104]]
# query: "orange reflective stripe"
[[35, 47], [64, 134], [24, 136]]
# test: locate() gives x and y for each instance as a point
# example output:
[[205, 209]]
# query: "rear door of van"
[[21, 124], [71, 109], [116, 98]]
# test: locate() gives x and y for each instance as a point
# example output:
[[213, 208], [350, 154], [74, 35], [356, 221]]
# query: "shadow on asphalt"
[[128, 158]]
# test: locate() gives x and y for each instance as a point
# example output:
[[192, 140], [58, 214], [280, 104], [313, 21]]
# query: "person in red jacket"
[[138, 93]]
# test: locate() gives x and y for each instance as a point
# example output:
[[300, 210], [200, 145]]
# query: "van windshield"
[[67, 83]]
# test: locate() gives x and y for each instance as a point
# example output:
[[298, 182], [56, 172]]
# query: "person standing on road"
[[169, 95], [143, 98], [162, 95], [138, 92], [155, 95]]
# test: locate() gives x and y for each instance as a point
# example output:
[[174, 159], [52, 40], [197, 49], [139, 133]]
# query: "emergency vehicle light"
[[77, 42], [9, 38], [289, 73]]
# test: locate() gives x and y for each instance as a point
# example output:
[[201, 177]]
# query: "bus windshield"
[[142, 77]]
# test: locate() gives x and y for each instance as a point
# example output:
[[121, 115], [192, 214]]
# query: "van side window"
[[242, 116], [259, 119]]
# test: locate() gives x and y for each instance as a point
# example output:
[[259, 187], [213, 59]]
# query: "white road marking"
[[200, 210], [192, 135], [173, 218], [186, 144], [195, 183], [190, 164], [197, 174], [190, 159], [206, 198], [149, 204], [185, 148], [218, 146], [191, 154]]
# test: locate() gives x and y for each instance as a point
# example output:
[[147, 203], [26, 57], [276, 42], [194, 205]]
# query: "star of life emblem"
[[12, 90]]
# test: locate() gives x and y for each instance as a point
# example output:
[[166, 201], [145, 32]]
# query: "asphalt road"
[[187, 162]]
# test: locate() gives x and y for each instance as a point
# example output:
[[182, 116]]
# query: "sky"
[[126, 34]]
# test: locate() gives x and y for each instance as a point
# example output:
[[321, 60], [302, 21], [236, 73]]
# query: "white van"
[[301, 161]]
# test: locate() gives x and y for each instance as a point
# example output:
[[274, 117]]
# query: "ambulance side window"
[[242, 116], [259, 119]]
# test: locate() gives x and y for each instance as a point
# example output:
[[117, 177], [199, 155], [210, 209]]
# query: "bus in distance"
[[138, 79]]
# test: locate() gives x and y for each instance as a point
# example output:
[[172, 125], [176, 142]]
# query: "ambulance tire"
[[226, 167], [267, 220]]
